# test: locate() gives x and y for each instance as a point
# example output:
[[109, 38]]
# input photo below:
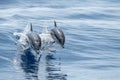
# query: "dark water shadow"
[[53, 68], [29, 65]]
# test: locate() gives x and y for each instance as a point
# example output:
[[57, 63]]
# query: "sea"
[[92, 45]]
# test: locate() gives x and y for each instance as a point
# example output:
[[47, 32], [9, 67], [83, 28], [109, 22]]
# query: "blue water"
[[92, 30]]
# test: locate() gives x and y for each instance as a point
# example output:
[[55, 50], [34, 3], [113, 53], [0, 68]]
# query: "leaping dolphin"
[[58, 35], [29, 39], [34, 39]]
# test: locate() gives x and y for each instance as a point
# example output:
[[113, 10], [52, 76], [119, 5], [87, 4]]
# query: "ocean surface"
[[92, 47]]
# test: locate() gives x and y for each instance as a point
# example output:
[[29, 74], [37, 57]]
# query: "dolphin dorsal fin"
[[28, 28], [55, 24], [31, 29]]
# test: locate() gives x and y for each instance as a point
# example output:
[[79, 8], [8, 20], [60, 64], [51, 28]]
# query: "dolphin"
[[34, 39], [29, 38], [58, 35]]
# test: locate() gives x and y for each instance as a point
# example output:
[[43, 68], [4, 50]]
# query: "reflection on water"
[[53, 69], [29, 64]]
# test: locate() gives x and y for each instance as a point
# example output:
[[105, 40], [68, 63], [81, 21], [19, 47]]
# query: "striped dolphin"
[[34, 39], [58, 35]]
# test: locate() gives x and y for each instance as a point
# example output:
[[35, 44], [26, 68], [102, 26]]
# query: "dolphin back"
[[58, 36], [34, 40]]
